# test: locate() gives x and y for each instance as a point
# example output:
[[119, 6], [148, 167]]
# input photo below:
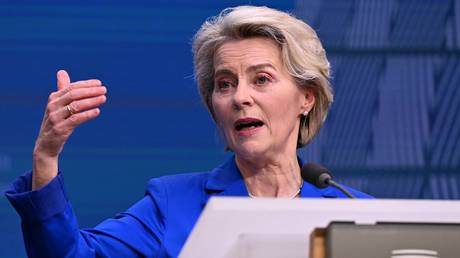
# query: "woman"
[[262, 74]]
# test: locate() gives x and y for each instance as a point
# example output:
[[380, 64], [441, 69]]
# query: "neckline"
[[297, 194]]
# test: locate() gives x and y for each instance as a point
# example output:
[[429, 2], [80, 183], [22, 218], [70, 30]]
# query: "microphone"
[[320, 177]]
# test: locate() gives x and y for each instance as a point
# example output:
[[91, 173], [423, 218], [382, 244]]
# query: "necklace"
[[290, 197]]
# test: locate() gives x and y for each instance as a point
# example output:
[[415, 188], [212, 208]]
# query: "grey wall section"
[[393, 130]]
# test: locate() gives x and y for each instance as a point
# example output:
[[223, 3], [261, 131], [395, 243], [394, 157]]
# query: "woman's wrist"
[[45, 168]]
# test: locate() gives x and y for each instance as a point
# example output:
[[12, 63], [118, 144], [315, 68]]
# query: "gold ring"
[[69, 109]]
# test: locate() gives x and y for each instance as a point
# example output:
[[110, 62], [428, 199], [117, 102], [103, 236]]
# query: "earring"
[[305, 113]]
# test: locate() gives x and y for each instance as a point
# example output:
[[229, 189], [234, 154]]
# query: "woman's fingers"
[[86, 83], [77, 107], [74, 94], [70, 123], [85, 104], [63, 79], [76, 85]]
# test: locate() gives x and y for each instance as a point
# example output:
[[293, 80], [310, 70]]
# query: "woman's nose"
[[242, 96]]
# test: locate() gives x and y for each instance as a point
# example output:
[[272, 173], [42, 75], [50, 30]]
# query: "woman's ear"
[[308, 101]]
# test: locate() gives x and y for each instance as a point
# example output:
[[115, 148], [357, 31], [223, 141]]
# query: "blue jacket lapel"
[[226, 180]]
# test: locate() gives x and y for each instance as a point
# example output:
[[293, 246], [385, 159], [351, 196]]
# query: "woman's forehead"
[[244, 53]]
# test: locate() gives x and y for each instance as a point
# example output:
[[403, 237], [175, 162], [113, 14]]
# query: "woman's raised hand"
[[68, 107]]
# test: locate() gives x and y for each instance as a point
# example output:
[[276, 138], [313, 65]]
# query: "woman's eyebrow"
[[253, 68], [259, 67], [223, 71]]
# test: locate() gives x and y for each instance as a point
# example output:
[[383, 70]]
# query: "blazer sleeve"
[[50, 228]]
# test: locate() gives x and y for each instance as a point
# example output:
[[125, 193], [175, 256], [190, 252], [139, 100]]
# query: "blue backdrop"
[[393, 130]]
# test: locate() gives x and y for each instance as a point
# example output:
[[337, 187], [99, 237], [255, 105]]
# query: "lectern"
[[231, 227]]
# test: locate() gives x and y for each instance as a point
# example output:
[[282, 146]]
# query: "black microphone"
[[320, 177]]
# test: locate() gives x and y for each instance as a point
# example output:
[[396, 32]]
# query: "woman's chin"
[[250, 149]]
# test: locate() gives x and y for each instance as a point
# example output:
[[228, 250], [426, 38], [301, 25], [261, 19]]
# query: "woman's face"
[[256, 103]]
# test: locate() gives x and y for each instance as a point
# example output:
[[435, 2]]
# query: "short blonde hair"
[[301, 51]]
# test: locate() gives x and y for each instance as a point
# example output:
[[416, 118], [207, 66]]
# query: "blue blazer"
[[156, 226]]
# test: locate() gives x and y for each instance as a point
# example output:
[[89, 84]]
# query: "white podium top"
[[243, 227]]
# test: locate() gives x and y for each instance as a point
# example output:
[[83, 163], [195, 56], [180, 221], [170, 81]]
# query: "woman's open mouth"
[[247, 126]]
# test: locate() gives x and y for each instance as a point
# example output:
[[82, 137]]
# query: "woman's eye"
[[262, 80], [223, 85]]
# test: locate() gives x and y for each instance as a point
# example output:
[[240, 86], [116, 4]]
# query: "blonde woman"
[[262, 74]]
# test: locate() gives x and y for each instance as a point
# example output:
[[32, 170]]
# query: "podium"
[[231, 227]]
